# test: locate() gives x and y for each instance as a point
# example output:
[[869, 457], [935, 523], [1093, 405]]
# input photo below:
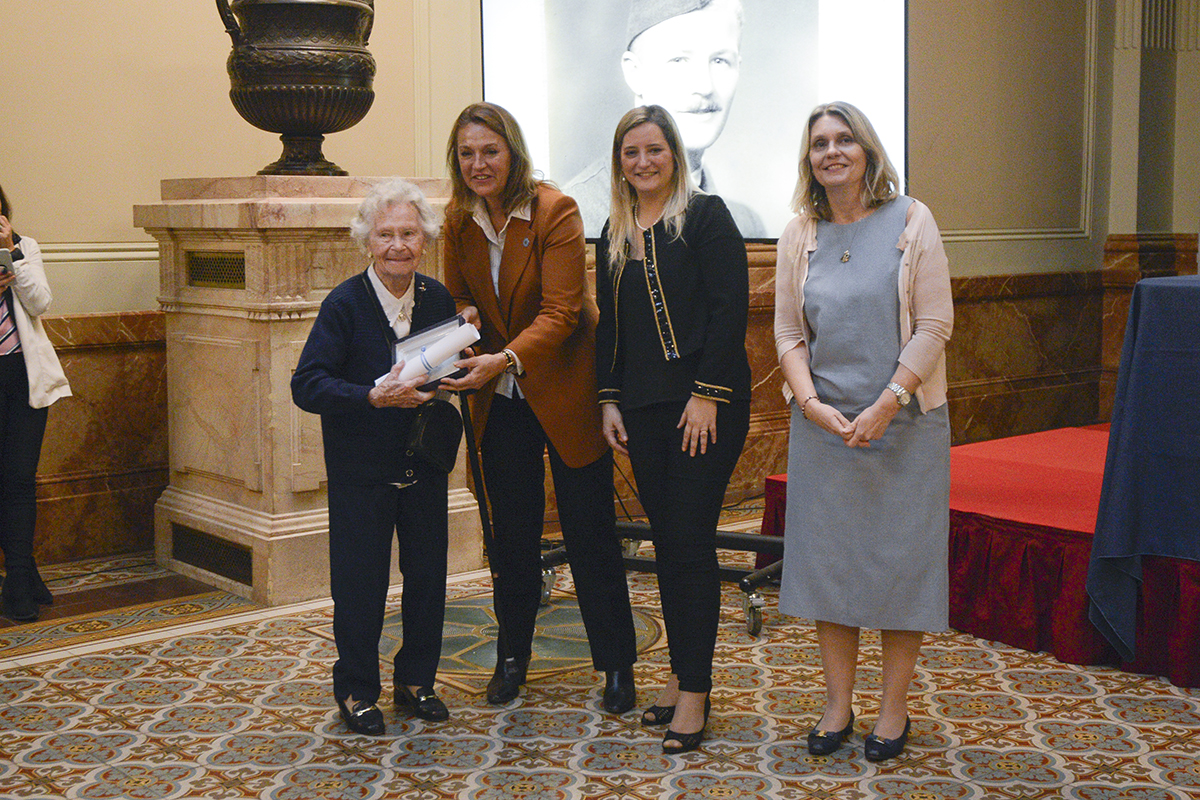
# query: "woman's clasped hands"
[[867, 427]]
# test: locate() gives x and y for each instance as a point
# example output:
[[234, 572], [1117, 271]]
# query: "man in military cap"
[[683, 55]]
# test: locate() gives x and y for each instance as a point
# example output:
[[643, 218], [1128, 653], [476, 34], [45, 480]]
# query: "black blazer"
[[703, 278], [349, 347]]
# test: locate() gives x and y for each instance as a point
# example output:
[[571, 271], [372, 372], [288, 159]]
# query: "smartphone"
[[5, 260]]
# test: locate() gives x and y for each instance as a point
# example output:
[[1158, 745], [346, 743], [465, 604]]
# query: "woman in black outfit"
[[376, 486], [673, 290], [30, 380]]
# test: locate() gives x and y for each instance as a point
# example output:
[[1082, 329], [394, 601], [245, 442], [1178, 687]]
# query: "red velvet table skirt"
[[1025, 585]]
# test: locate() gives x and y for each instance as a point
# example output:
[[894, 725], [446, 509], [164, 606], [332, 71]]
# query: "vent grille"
[[218, 556], [217, 270]]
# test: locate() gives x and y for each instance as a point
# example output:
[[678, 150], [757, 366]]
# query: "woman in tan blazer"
[[515, 266]]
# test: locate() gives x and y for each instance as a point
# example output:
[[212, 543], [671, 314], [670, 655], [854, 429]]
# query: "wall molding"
[[1087, 177], [67, 252]]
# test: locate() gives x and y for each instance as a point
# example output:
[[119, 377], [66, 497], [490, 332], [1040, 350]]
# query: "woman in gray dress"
[[862, 316]]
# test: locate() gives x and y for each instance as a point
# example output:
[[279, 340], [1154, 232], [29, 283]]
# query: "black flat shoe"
[[654, 716], [821, 743], [620, 694], [424, 704], [879, 749], [687, 741], [506, 682], [364, 718]]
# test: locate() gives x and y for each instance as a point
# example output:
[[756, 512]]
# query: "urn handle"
[[231, 23]]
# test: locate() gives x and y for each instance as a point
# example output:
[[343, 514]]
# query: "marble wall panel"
[[1024, 355], [104, 458]]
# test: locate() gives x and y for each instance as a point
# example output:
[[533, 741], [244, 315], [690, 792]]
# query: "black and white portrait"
[[738, 76]]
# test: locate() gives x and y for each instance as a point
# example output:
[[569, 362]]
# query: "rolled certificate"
[[435, 353]]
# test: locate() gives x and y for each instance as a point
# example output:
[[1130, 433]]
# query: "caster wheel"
[[549, 577], [752, 606]]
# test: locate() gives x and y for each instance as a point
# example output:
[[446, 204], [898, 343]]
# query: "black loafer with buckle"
[[821, 743], [364, 718], [424, 703], [876, 748]]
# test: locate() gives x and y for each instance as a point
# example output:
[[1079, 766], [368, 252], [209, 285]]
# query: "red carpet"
[[1051, 478]]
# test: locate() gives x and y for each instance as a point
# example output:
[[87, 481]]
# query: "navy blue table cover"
[[1150, 500]]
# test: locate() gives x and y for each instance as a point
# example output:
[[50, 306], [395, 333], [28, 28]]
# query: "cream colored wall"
[[1009, 131], [115, 97], [1010, 103]]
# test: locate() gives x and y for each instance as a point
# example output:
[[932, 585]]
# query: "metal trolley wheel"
[[752, 606], [549, 578]]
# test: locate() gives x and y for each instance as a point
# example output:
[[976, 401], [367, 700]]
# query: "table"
[[1150, 498]]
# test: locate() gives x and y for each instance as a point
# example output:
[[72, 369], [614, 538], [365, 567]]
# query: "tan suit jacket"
[[544, 313]]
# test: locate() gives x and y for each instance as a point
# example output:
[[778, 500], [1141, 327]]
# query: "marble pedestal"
[[244, 265]]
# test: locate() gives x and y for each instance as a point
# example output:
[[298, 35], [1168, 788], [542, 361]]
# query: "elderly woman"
[[673, 286], [515, 265], [30, 380], [862, 316], [376, 486]]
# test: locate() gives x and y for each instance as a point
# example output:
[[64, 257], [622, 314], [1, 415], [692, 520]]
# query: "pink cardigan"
[[926, 307]]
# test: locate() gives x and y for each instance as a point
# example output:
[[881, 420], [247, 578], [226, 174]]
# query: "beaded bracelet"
[[804, 405]]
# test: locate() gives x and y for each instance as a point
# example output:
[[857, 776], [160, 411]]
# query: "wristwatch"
[[902, 395]]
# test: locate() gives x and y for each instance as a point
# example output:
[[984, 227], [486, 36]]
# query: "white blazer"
[[31, 291]]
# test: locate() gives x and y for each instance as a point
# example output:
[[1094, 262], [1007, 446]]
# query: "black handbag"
[[435, 433]]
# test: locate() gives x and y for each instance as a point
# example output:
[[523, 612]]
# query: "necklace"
[[853, 236], [637, 221]]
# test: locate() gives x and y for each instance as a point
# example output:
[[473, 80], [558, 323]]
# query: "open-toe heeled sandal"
[[687, 741], [658, 715]]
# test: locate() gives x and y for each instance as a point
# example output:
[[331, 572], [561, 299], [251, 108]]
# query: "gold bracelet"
[[510, 361]]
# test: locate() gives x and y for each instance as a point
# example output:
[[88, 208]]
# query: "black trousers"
[[682, 496], [362, 520], [514, 473], [21, 431]]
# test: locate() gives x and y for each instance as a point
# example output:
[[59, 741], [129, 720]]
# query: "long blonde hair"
[[622, 219], [880, 183], [521, 186]]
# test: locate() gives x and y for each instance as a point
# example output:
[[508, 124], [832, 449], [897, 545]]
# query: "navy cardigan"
[[349, 347]]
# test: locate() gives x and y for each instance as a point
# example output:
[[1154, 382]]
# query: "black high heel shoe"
[[821, 743], [364, 718], [876, 748], [654, 716], [687, 741]]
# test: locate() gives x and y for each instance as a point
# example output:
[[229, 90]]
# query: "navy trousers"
[[362, 521], [514, 473], [682, 496]]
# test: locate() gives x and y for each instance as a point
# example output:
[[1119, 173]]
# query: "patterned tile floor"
[[239, 706]]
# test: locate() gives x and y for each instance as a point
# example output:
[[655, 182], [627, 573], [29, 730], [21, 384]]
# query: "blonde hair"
[[880, 183], [622, 219], [521, 186]]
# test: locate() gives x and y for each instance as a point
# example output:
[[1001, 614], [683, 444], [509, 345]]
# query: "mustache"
[[701, 107]]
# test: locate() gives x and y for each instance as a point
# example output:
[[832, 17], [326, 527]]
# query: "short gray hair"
[[394, 191]]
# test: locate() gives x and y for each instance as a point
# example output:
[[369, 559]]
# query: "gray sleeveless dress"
[[867, 529]]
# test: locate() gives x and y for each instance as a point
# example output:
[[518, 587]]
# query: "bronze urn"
[[300, 68]]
